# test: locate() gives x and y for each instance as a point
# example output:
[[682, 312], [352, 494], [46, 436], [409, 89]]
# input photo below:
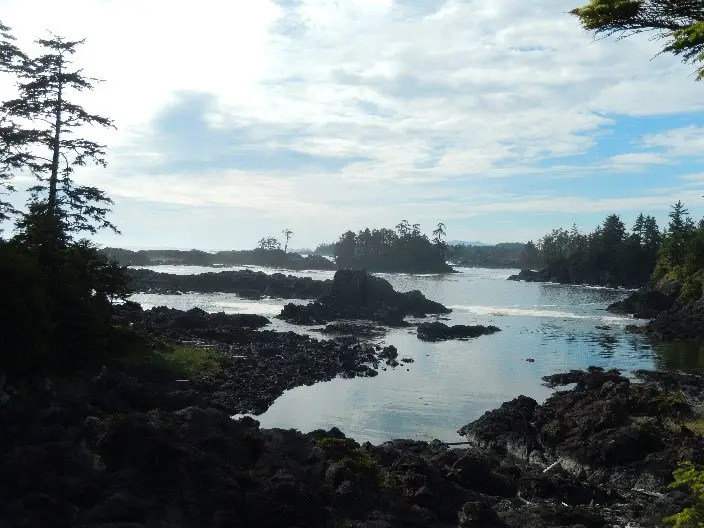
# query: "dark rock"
[[247, 283], [682, 321], [478, 515], [389, 352], [645, 303], [358, 330], [527, 275], [355, 294], [592, 378], [508, 429], [437, 331]]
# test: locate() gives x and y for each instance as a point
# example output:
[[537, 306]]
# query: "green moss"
[[691, 477], [347, 452], [181, 361], [696, 426]]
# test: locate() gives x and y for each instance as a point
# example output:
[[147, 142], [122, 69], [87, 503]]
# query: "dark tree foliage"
[[57, 291], [44, 86], [607, 256], [682, 255], [327, 250], [287, 233], [13, 140], [384, 250], [679, 23]]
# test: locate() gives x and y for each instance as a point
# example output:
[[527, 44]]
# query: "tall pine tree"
[[58, 204]]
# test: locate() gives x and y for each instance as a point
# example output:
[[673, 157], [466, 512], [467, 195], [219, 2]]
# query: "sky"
[[501, 118]]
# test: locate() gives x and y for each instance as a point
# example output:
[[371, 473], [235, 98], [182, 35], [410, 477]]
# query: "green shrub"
[[691, 476]]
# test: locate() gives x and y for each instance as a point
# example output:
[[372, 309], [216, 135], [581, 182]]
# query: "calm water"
[[452, 383]]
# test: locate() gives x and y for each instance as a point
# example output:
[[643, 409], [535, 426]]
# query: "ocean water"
[[451, 383]]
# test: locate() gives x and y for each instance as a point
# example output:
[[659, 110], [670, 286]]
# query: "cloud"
[[678, 142], [362, 110]]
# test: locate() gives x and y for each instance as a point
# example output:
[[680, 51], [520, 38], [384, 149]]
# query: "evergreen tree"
[[45, 86]]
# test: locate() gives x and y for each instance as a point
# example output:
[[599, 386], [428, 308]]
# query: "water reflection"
[[683, 356], [453, 383]]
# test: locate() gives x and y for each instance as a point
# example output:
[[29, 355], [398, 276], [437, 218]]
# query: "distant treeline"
[[254, 257], [504, 255]]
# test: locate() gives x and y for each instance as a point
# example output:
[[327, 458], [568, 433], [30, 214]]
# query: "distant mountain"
[[465, 243]]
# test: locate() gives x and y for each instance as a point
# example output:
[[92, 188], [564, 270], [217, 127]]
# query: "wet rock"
[[592, 378], [437, 331]]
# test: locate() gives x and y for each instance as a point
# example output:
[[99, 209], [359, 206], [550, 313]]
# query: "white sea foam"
[[534, 312]]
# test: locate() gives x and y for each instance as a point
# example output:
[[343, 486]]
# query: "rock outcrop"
[[247, 283], [527, 275], [645, 303], [355, 294], [612, 433], [437, 331]]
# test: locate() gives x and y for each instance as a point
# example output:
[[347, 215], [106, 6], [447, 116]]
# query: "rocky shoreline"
[[248, 284], [130, 445], [255, 367], [671, 317], [128, 449]]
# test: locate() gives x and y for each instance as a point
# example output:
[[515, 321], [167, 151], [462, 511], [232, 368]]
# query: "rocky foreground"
[[96, 454]]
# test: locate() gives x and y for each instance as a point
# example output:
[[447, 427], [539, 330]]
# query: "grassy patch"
[[696, 426], [181, 361]]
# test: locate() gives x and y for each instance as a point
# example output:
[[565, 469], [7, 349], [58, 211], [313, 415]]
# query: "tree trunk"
[[54, 180]]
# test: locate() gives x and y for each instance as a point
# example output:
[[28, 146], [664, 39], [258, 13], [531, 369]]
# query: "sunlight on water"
[[452, 383]]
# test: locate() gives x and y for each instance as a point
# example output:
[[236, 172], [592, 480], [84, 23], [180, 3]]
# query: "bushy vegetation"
[[691, 477], [404, 249]]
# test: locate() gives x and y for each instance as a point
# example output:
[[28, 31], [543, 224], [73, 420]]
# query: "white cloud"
[[425, 102], [678, 142], [636, 161]]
